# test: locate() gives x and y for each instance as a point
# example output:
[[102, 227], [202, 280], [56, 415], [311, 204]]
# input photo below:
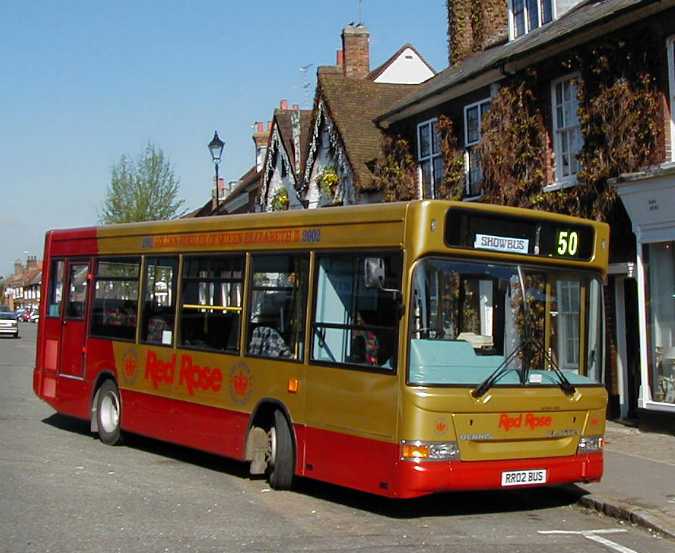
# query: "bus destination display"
[[500, 233]]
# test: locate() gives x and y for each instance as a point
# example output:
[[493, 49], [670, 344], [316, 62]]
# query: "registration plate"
[[524, 477]]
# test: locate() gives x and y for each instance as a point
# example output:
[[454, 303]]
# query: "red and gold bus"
[[400, 349]]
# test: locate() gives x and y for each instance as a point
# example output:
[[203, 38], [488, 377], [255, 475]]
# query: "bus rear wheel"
[[108, 413], [281, 458]]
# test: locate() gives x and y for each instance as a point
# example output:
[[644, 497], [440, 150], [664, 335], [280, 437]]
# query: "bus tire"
[[282, 459], [109, 413]]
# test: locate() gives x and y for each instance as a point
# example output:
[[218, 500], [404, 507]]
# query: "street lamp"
[[216, 149]]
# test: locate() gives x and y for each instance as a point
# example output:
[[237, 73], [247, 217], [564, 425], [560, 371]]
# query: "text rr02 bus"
[[400, 349]]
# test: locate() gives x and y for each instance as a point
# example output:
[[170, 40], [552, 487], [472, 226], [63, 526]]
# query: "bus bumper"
[[417, 479]]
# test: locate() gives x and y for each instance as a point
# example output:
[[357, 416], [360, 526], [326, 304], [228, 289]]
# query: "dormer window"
[[527, 15]]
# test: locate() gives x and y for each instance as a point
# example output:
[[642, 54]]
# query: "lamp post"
[[216, 149]]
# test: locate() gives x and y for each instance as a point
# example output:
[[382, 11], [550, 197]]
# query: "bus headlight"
[[418, 450], [590, 444]]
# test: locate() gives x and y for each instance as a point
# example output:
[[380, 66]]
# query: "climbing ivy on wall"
[[452, 185], [396, 173], [513, 145], [619, 121]]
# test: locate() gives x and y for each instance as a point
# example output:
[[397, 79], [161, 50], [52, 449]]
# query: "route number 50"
[[568, 242]]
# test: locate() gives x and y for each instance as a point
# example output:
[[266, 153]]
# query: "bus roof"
[[370, 225]]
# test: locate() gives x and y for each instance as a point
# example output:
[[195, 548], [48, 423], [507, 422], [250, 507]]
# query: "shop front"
[[649, 198]]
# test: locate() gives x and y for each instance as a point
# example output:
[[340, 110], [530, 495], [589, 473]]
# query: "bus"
[[399, 349]]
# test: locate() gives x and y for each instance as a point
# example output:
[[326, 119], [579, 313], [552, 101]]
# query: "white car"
[[9, 325]]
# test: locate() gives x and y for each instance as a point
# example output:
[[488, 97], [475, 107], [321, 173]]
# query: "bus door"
[[74, 321], [352, 382]]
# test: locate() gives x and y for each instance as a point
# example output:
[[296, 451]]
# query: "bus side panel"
[[210, 429], [361, 463]]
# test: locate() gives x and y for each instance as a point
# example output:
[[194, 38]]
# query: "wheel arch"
[[263, 415]]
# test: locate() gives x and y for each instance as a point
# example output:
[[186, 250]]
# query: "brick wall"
[[355, 45]]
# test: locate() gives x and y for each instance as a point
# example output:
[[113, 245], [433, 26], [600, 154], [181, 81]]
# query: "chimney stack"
[[475, 26], [355, 45], [260, 138]]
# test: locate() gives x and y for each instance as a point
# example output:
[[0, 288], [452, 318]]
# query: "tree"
[[142, 190]]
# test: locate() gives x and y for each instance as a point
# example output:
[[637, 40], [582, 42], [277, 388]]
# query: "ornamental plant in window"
[[328, 181], [280, 199]]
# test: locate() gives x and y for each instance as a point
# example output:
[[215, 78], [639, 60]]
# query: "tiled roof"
[[352, 104], [245, 181], [26, 278], [200, 211], [375, 73], [37, 277], [283, 121], [575, 21]]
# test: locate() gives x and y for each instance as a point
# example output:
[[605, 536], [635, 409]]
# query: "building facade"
[[589, 84]]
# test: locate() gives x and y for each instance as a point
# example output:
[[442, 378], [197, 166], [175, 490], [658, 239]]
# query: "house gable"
[[406, 66], [278, 172]]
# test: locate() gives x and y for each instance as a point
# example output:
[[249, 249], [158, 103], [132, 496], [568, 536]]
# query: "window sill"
[[475, 198], [560, 185]]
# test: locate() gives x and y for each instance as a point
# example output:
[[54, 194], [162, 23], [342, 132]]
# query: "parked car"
[[9, 325]]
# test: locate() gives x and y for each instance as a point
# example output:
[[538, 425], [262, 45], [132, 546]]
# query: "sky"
[[82, 83]]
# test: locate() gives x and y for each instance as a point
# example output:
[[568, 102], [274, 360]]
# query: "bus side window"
[[159, 300], [115, 298], [211, 302], [278, 300], [353, 324], [56, 289]]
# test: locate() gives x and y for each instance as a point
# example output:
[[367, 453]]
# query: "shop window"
[[661, 278], [159, 300], [670, 44], [115, 298], [353, 324], [211, 302], [276, 326]]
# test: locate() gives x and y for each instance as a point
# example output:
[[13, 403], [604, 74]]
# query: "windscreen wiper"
[[565, 385], [498, 373]]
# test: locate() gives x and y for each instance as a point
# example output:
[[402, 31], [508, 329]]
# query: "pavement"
[[638, 484]]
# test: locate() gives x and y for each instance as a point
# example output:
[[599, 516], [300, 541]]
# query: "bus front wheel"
[[108, 413], [281, 463]]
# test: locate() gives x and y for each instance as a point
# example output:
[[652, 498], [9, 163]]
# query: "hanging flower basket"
[[328, 181], [280, 200]]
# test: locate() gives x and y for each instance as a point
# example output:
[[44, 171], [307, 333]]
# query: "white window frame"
[[512, 26], [670, 45], [564, 291], [430, 157], [468, 145], [568, 180]]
